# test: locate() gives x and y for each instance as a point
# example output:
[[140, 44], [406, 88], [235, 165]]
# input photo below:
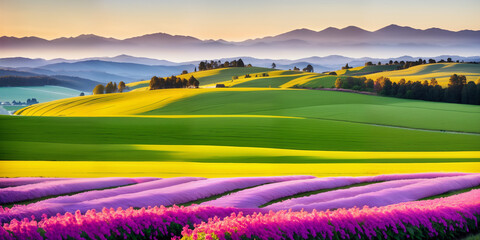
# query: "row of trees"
[[458, 90], [205, 65], [111, 87], [173, 82], [308, 68], [407, 64]]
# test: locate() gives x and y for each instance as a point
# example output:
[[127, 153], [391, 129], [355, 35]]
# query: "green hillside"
[[332, 105]]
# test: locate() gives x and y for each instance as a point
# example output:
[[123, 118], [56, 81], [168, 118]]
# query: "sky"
[[227, 19]]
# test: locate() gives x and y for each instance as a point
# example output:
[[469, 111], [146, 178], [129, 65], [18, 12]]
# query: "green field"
[[42, 94], [330, 105]]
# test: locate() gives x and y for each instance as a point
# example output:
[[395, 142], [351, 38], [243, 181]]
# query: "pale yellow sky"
[[229, 20]]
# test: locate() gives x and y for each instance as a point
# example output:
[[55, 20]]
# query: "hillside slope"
[[326, 105], [440, 71]]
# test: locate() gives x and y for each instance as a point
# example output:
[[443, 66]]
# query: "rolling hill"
[[439, 71], [258, 120], [289, 79]]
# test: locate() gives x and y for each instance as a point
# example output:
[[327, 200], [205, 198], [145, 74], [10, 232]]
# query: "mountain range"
[[392, 40]]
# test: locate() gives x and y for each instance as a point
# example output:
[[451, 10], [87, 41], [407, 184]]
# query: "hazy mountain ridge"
[[351, 41]]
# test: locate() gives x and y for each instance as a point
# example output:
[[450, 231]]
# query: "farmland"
[[235, 202], [321, 151]]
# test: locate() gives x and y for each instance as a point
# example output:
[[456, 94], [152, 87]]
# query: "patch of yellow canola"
[[210, 152], [128, 103], [242, 79], [300, 80], [343, 71], [440, 71], [193, 169]]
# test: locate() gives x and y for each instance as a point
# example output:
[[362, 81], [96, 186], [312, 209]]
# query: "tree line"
[[458, 90], [205, 65], [407, 64], [173, 82], [111, 87]]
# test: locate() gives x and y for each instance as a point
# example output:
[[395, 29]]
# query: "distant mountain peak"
[[352, 28]]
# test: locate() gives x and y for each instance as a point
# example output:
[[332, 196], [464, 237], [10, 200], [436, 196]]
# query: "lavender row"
[[364, 196], [48, 188]]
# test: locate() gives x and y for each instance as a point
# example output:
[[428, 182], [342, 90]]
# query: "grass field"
[[42, 94]]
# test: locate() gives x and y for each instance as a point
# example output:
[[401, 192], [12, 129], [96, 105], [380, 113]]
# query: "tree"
[[202, 66], [296, 69], [110, 88], [346, 66], [368, 64], [184, 72], [387, 87], [240, 63], [379, 83], [249, 65], [191, 81], [332, 73], [99, 89], [195, 69], [226, 64], [453, 93], [369, 84], [309, 68], [82, 94], [469, 93], [449, 60], [433, 82], [121, 86], [338, 83], [274, 65], [154, 83]]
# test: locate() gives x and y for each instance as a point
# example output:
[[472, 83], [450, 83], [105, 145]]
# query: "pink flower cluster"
[[451, 213], [109, 222]]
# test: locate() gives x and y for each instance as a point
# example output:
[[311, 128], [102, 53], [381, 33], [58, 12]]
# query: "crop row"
[[444, 218]]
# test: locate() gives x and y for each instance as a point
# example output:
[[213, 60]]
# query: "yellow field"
[[177, 169], [211, 152], [440, 71], [272, 74], [113, 104]]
